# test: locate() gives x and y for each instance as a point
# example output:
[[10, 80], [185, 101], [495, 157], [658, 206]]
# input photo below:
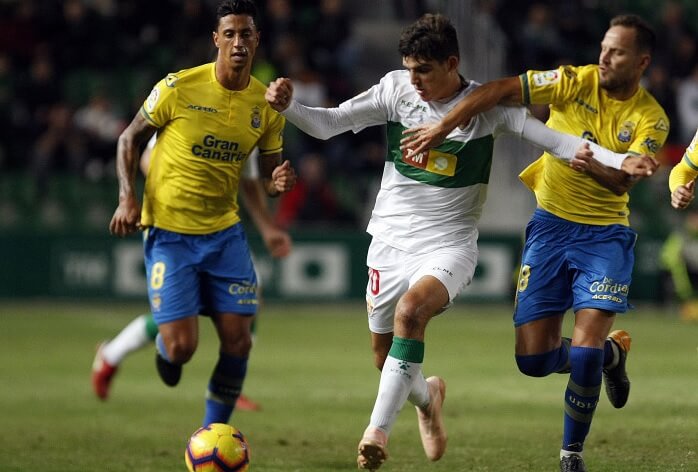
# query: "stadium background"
[[73, 72]]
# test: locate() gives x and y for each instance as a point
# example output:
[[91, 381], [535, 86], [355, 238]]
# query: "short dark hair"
[[430, 37], [645, 38], [236, 7]]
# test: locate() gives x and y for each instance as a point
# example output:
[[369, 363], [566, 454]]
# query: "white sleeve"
[[321, 123], [251, 168], [364, 110], [564, 146]]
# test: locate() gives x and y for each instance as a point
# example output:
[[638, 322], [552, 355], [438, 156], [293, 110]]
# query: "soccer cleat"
[[615, 376], [169, 373], [572, 463], [431, 426], [372, 450], [245, 404], [102, 374]]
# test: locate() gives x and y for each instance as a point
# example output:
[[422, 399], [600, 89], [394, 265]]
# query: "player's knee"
[[180, 352], [407, 317], [238, 344], [537, 365]]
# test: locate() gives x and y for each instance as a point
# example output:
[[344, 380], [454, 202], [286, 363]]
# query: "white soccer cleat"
[[431, 425], [372, 451]]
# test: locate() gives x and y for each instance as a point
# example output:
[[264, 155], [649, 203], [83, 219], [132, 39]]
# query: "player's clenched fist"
[[279, 94], [283, 177], [683, 195], [643, 166]]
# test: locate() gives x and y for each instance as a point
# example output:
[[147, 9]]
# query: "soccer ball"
[[217, 447]]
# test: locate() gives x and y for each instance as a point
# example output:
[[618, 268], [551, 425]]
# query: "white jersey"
[[432, 199]]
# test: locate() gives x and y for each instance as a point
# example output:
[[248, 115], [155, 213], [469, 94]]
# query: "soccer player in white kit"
[[424, 223]]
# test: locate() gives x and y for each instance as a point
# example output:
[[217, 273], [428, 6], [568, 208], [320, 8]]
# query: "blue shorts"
[[199, 274], [567, 264]]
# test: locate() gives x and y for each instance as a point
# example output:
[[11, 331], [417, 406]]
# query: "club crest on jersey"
[[256, 118], [547, 77], [433, 161], [626, 132]]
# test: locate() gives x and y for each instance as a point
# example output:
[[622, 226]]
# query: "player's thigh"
[[544, 285], [180, 337], [234, 332], [228, 277], [387, 281], [172, 275], [603, 263]]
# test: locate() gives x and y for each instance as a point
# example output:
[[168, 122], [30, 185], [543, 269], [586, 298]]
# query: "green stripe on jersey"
[[472, 161], [409, 350]]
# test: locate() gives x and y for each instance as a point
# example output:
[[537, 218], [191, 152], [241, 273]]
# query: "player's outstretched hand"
[[421, 138], [279, 94], [683, 195], [283, 177], [127, 217], [639, 166], [583, 159]]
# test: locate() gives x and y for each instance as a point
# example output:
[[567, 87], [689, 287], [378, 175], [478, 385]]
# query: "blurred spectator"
[[540, 41], [679, 261], [687, 98], [312, 202], [59, 146], [661, 86]]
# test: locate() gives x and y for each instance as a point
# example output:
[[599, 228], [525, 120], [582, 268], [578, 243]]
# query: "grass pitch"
[[311, 370]]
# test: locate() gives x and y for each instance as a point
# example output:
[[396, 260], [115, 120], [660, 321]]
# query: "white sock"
[[564, 453], [395, 385], [133, 337], [419, 395]]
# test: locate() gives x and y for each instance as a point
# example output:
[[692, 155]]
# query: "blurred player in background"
[[579, 247], [142, 331], [682, 179], [424, 246], [209, 119]]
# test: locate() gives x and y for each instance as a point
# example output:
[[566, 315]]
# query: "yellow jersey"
[[205, 134], [687, 169], [580, 107]]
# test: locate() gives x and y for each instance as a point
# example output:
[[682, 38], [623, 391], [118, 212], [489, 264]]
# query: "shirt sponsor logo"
[[152, 100], [652, 145], [201, 108], [218, 149], [548, 77], [586, 106], [416, 106], [433, 161]]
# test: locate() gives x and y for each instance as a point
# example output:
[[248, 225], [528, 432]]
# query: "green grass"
[[311, 369]]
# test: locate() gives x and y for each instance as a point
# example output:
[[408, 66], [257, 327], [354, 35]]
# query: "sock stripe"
[[409, 350], [592, 391], [577, 416]]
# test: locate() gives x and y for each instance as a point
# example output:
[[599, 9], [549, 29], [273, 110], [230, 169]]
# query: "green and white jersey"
[[431, 199]]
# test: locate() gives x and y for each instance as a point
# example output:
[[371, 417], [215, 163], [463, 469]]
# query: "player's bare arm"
[[505, 91], [277, 177], [276, 240], [617, 181], [279, 94], [683, 195], [126, 218]]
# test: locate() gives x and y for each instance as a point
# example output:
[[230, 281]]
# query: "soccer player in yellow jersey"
[[579, 248], [682, 180], [209, 118]]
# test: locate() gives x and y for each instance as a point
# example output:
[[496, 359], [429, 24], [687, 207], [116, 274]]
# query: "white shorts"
[[391, 272]]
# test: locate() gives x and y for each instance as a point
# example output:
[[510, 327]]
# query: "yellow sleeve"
[[159, 107], [686, 170], [272, 141], [550, 86], [682, 173]]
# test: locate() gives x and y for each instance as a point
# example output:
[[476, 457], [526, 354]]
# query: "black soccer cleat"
[[169, 373], [616, 378], [573, 463]]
